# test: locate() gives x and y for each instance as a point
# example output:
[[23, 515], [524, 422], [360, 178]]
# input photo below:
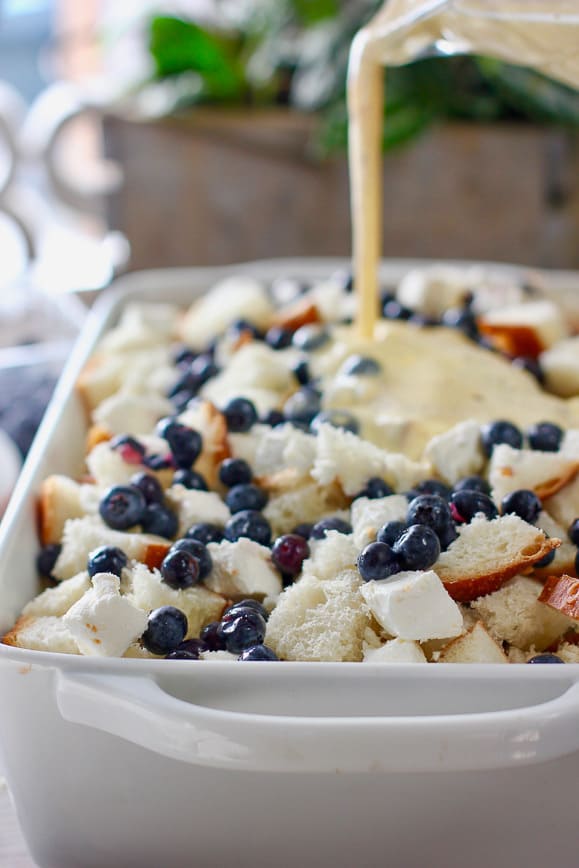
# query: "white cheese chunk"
[[368, 516], [395, 651], [457, 452], [242, 568], [102, 622], [414, 605]]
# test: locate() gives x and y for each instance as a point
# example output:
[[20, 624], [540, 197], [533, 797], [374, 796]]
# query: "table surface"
[[13, 852]]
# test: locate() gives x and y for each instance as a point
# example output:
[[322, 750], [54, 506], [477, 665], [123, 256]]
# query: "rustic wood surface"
[[13, 852]]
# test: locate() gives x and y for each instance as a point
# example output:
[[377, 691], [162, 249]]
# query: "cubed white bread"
[[323, 621], [488, 553], [348, 390], [413, 605], [331, 555], [564, 506], [242, 569], [545, 473], [148, 591], [395, 651], [141, 326], [100, 378], [275, 449], [476, 646], [307, 502], [432, 291], [44, 633], [369, 515], [205, 418], [457, 452], [127, 412], [59, 500], [330, 300], [344, 457], [564, 561], [82, 535], [236, 297], [102, 622], [256, 372], [528, 328], [106, 466], [193, 506], [57, 601], [570, 443], [513, 614], [560, 365], [568, 652], [150, 372]]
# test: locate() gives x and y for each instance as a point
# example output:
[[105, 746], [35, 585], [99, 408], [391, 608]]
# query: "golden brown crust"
[[552, 486], [54, 508], [84, 383], [302, 312], [96, 434], [154, 555], [515, 340], [12, 637], [562, 594], [215, 444]]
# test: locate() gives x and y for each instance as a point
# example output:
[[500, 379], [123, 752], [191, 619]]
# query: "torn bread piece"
[[564, 506], [303, 502], [192, 506], [560, 365], [561, 593], [41, 633], [205, 418], [369, 515], [58, 501], [476, 646], [395, 651], [486, 554], [331, 555], [126, 411], [457, 452], [545, 473], [564, 560], [242, 569], [233, 298], [57, 601], [526, 329]]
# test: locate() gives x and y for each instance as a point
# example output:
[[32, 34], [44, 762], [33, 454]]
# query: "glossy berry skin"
[[500, 432], [235, 471], [391, 532], [433, 486], [160, 520], [258, 652], [149, 486], [199, 552], [129, 448], [361, 366], [418, 548], [523, 503], [304, 529], [321, 528], [301, 372], [245, 496], [464, 505], [190, 479], [375, 489], [46, 559], [302, 406], [159, 462], [377, 561], [122, 507], [274, 418], [205, 532], [289, 552], [545, 658], [392, 309], [247, 629], [186, 384], [278, 338], [251, 524], [472, 483], [548, 559], [166, 629], [545, 437], [183, 355], [433, 511], [462, 319], [211, 636], [573, 532], [242, 605], [180, 569], [310, 338], [106, 559], [240, 415], [335, 418], [203, 368], [185, 443], [190, 649]]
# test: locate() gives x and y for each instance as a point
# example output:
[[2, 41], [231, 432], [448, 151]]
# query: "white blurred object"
[[10, 463]]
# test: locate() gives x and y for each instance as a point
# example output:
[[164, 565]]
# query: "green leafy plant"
[[295, 52]]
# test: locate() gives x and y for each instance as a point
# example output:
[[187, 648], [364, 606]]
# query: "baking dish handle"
[[139, 710]]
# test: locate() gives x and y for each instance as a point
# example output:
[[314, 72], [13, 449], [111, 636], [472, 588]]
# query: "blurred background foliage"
[[295, 53]]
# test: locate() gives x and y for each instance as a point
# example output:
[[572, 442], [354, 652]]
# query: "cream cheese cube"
[[414, 605], [242, 568], [193, 506], [457, 452]]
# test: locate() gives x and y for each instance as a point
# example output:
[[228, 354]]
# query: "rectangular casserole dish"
[[150, 763]]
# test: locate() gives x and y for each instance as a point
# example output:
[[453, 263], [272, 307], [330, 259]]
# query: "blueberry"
[[159, 462], [245, 496], [548, 559], [199, 552], [205, 532], [240, 415], [532, 366], [106, 559], [183, 355], [410, 495], [301, 372], [258, 652], [391, 532], [166, 629], [122, 507], [46, 559], [337, 419], [545, 437], [243, 325], [247, 629], [180, 569], [248, 523], [377, 561], [472, 483], [500, 432], [235, 471], [249, 603], [573, 532], [392, 309], [278, 338], [464, 505], [433, 486], [274, 418], [418, 548], [160, 520], [203, 368], [304, 529], [375, 489], [289, 552], [546, 657], [149, 486], [185, 443], [310, 337], [433, 511], [190, 649], [129, 448], [321, 528], [186, 383], [462, 319], [523, 503], [190, 479], [211, 636], [361, 366], [303, 405]]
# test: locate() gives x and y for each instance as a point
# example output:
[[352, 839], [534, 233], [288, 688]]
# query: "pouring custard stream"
[[543, 34]]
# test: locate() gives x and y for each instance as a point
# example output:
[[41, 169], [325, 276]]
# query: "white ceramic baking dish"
[[146, 764]]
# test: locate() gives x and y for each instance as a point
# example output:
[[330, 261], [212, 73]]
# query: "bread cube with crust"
[[564, 505], [205, 418], [476, 646], [564, 560], [59, 500], [242, 569], [303, 502], [127, 411], [457, 452], [395, 651], [560, 365], [41, 633], [526, 329], [236, 297], [545, 473], [57, 601], [561, 593]]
